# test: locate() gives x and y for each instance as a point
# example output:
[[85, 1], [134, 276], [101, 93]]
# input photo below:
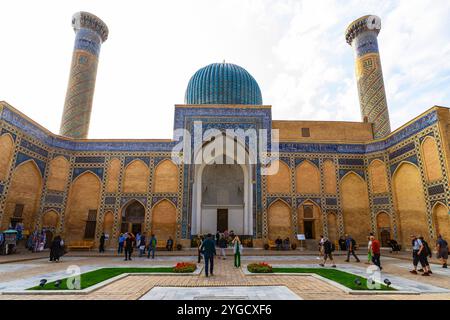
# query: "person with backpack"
[[425, 254], [351, 246], [418, 249], [375, 249], [328, 249], [442, 250], [152, 247]]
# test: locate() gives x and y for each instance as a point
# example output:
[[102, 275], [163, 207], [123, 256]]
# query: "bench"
[[161, 245], [272, 244], [81, 245]]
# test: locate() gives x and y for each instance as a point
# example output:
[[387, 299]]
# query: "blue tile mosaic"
[[343, 172], [126, 200], [1, 188], [380, 201], [110, 200], [331, 201], [437, 189], [78, 171], [89, 159], [300, 201], [146, 160], [21, 157], [54, 198], [30, 146], [6, 131], [402, 150], [351, 162], [412, 159]]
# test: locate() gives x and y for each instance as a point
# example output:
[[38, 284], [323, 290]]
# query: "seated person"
[[169, 244], [279, 243], [286, 244], [394, 245]]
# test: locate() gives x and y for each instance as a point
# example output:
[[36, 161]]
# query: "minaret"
[[90, 32], [362, 35]]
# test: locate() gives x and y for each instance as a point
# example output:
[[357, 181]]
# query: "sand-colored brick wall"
[[136, 177], [430, 156], [26, 188], [333, 227], [317, 218], [279, 182], [307, 178], [58, 174], [409, 202], [84, 196], [164, 220], [329, 177], [355, 207], [378, 176], [166, 177], [279, 220], [383, 220], [323, 130], [108, 225], [112, 183], [50, 219], [6, 153], [441, 219]]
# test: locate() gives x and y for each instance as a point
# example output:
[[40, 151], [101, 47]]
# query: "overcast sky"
[[295, 50]]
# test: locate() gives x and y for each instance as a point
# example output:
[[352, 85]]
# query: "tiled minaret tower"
[[362, 35], [91, 32]]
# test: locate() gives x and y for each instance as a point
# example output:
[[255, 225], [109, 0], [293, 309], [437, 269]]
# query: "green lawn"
[[93, 277], [344, 278]]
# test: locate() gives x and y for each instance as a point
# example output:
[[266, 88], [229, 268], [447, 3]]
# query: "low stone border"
[[98, 285], [335, 284]]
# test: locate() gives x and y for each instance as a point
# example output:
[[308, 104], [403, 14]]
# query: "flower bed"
[[261, 267], [184, 267]]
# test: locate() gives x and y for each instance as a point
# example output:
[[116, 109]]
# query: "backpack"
[[353, 243]]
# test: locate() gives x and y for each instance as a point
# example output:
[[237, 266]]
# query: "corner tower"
[[362, 35], [90, 32]]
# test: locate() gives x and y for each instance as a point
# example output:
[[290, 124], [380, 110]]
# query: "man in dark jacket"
[[328, 249], [101, 248], [129, 244], [209, 251]]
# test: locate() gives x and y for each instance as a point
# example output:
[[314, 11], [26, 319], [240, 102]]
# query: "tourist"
[[223, 244], [328, 249], [169, 244], [375, 250], [152, 247], [56, 249], [217, 238], [418, 249], [232, 235], [279, 243], [209, 251], [138, 239], [121, 243], [442, 250], [101, 248], [128, 245], [342, 245], [237, 250], [321, 245], [369, 250], [142, 245], [350, 244], [395, 247], [425, 254], [199, 248], [286, 244]]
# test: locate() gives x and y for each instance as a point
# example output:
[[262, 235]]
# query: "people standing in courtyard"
[[152, 247], [286, 244], [237, 250], [129, 244], [279, 243], [351, 247], [328, 249], [342, 245], [209, 251], [142, 245], [442, 250], [217, 238], [169, 244], [418, 249], [138, 240], [223, 244], [101, 247], [375, 249], [56, 248], [321, 241], [426, 253], [369, 250], [121, 241]]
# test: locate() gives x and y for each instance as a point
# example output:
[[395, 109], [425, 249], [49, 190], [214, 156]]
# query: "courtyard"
[[23, 271]]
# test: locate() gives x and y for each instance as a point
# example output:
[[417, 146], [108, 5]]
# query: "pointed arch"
[[22, 202], [6, 154], [281, 181], [307, 178], [113, 172], [279, 220], [409, 200], [355, 206], [441, 219], [378, 176], [384, 229], [164, 220], [310, 220], [136, 177], [329, 177], [84, 196], [166, 177], [50, 219], [430, 155], [58, 173]]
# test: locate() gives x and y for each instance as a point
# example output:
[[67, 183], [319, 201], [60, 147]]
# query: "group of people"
[[422, 251], [206, 247], [283, 244], [128, 241]]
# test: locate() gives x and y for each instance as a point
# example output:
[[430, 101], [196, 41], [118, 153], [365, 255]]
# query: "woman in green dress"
[[237, 249]]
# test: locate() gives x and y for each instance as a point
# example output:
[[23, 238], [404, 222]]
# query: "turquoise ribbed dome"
[[223, 83]]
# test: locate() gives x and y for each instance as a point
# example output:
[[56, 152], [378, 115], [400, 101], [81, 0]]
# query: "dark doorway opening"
[[136, 228], [385, 236], [222, 220], [309, 229]]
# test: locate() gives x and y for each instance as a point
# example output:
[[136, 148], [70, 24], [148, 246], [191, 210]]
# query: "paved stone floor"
[[24, 273]]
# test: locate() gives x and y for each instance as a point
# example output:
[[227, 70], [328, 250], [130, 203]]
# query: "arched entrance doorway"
[[133, 216], [384, 228]]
